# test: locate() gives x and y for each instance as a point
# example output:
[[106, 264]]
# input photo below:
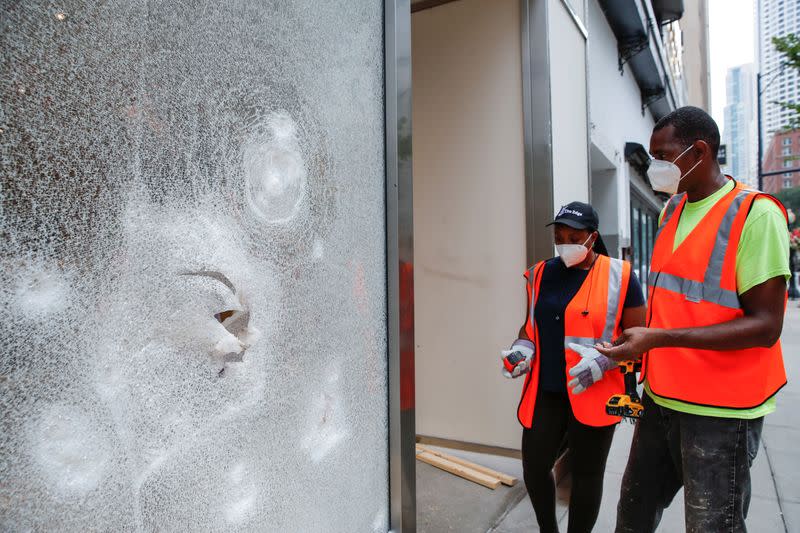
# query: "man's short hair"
[[692, 124]]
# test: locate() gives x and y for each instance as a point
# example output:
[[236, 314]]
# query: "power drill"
[[627, 405]]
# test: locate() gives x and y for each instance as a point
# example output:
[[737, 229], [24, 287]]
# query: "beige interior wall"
[[469, 219]]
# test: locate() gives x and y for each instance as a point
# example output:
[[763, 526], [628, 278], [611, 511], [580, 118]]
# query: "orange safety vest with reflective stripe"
[[602, 294], [695, 286]]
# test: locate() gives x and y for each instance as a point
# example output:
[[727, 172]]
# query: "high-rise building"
[[739, 132], [776, 18], [783, 159], [694, 29]]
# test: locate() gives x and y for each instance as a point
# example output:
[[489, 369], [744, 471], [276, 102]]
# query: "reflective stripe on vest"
[[710, 290], [532, 281], [614, 293], [606, 306], [735, 379], [694, 291], [583, 341], [672, 205]]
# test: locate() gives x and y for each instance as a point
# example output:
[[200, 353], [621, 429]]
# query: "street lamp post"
[[759, 91], [758, 133], [794, 292]]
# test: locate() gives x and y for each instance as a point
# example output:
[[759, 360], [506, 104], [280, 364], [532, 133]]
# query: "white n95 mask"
[[573, 254], [665, 176]]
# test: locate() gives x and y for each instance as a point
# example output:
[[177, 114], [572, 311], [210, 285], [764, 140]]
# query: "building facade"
[[499, 147], [783, 156], [217, 246], [694, 28], [739, 133], [776, 18]]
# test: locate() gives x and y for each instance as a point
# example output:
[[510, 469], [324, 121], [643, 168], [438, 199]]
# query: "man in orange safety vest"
[[712, 361]]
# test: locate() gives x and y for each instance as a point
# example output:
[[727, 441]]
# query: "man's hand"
[[631, 344]]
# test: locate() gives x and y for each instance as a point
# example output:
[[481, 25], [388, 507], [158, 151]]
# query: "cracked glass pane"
[[193, 259]]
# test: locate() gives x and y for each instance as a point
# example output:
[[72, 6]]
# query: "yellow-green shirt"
[[763, 254]]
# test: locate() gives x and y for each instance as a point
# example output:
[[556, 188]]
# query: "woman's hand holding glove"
[[590, 369], [519, 359]]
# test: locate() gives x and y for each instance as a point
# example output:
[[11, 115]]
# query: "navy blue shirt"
[[558, 287]]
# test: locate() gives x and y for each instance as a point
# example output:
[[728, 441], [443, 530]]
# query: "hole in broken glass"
[[235, 321]]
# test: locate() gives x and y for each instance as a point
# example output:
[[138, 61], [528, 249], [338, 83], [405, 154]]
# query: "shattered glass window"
[[193, 256]]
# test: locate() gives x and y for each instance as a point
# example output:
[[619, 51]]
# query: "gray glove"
[[590, 369], [522, 348]]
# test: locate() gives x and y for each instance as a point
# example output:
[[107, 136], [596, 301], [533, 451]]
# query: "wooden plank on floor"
[[458, 470], [505, 479], [451, 444]]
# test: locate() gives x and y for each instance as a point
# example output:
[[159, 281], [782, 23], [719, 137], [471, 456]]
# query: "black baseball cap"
[[577, 215]]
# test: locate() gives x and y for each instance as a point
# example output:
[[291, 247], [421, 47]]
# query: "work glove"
[[590, 369], [517, 360]]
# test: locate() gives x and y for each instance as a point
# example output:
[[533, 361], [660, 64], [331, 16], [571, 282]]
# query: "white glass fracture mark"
[[40, 289], [275, 170], [70, 450]]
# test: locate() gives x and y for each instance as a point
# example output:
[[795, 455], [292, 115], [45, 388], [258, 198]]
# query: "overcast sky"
[[731, 39]]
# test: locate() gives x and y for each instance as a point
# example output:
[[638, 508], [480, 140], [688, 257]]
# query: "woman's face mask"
[[665, 175], [573, 254]]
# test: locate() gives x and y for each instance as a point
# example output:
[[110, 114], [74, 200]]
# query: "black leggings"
[[553, 425]]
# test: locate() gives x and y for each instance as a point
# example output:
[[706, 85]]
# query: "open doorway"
[[485, 185], [469, 243], [469, 217]]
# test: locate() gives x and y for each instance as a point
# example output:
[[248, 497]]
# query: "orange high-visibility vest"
[[695, 286], [602, 294]]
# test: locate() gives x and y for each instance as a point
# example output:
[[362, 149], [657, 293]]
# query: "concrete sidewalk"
[[448, 503]]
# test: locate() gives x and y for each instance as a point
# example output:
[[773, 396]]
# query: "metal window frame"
[[399, 265], [537, 128], [576, 19], [537, 115]]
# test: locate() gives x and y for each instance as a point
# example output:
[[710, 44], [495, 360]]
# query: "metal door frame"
[[399, 265]]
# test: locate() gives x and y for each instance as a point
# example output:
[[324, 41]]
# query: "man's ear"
[[701, 149]]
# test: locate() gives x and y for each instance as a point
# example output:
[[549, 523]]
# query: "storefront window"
[[636, 232], [644, 224], [194, 259]]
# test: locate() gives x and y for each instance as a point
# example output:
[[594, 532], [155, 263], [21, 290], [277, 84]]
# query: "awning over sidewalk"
[[633, 29]]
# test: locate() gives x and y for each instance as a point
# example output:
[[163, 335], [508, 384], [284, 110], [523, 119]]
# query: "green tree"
[[789, 46], [791, 199]]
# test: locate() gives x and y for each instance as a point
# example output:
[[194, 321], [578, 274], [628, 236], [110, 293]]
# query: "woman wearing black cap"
[[575, 300]]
